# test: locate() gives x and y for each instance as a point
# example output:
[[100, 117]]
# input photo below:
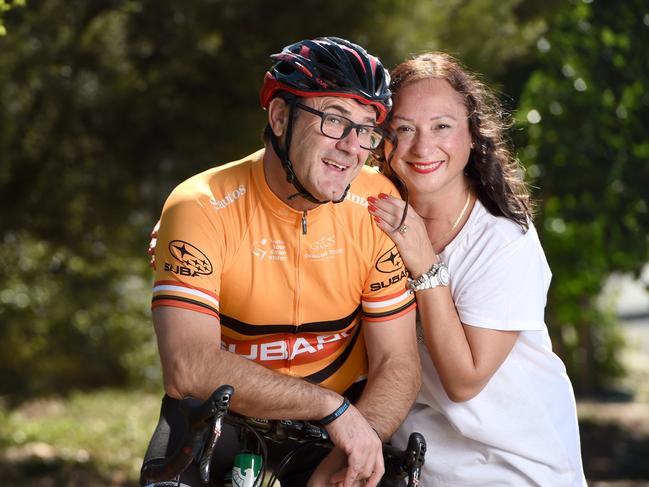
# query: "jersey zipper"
[[298, 262]]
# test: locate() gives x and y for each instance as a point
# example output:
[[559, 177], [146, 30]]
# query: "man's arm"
[[394, 374], [393, 381], [193, 364]]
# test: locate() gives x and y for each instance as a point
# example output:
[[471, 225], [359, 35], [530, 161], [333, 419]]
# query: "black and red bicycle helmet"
[[329, 66]]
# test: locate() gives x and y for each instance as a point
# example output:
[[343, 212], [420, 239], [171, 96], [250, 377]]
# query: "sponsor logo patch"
[[355, 198], [269, 249], [324, 242], [194, 262], [377, 286], [272, 350], [229, 198], [389, 262], [323, 248]]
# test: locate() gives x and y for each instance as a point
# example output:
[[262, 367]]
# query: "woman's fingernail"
[[371, 207], [383, 196], [377, 219], [371, 199]]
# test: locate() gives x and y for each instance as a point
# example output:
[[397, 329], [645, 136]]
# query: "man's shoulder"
[[226, 181]]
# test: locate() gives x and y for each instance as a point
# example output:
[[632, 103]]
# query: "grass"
[[89, 439], [98, 434]]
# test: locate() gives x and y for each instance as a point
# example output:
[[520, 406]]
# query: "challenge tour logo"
[[195, 262]]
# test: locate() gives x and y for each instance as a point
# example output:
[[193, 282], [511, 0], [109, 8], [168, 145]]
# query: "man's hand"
[[352, 434], [334, 462]]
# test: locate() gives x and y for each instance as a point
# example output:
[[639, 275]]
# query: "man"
[[272, 277]]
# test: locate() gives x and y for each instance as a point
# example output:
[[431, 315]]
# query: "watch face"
[[443, 276]]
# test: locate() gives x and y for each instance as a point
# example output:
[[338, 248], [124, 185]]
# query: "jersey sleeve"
[[189, 255], [385, 296], [507, 290]]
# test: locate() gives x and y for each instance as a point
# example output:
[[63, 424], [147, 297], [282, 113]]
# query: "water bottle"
[[245, 471]]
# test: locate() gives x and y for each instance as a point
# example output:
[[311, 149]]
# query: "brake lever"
[[417, 455], [206, 457], [215, 407]]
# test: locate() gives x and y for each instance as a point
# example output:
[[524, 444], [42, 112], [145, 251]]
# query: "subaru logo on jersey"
[[389, 262], [195, 261]]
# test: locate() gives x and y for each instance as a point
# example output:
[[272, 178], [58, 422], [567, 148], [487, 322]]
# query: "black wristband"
[[337, 413]]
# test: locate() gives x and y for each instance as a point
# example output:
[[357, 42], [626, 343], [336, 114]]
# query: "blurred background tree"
[[585, 112], [106, 105], [5, 6]]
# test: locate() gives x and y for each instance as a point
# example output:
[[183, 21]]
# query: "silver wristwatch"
[[437, 276]]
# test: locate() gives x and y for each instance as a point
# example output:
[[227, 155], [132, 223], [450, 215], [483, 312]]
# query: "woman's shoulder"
[[499, 229], [486, 233], [496, 253]]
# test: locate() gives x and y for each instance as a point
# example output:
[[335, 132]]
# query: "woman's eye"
[[404, 129], [442, 126]]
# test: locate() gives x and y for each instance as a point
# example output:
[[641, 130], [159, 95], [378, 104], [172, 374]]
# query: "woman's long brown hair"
[[493, 170]]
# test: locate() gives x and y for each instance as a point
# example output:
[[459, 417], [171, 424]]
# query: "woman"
[[496, 405]]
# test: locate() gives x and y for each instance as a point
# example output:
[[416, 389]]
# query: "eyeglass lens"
[[339, 127]]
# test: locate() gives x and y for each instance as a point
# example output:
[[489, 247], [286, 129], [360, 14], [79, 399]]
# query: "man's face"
[[326, 166]]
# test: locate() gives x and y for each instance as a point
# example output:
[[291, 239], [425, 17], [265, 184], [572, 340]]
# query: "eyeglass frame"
[[348, 127]]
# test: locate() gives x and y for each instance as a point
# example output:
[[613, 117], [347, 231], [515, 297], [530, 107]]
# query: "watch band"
[[436, 276]]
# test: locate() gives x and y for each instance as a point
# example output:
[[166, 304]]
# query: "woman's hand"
[[411, 238]]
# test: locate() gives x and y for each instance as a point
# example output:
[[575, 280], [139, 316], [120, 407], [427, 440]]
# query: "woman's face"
[[431, 124]]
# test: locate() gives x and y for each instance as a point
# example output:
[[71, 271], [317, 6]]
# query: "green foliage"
[[484, 35], [5, 6], [71, 319], [105, 106], [586, 114], [82, 431]]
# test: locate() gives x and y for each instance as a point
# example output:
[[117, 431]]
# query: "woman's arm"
[[465, 356]]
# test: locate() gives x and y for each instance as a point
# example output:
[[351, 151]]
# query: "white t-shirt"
[[521, 429]]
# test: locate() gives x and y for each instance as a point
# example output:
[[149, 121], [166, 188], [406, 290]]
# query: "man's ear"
[[278, 115]]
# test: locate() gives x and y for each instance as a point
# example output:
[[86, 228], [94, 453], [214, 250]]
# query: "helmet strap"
[[291, 177]]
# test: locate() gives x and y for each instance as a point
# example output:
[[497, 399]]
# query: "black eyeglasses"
[[338, 127]]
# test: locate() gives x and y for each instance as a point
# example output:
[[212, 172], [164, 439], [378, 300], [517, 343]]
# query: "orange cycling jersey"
[[289, 288]]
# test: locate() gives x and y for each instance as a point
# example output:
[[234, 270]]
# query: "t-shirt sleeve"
[[385, 296], [506, 290], [189, 256]]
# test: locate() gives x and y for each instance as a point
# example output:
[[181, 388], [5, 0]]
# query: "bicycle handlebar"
[[278, 430], [398, 463], [408, 462], [196, 413], [214, 411]]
